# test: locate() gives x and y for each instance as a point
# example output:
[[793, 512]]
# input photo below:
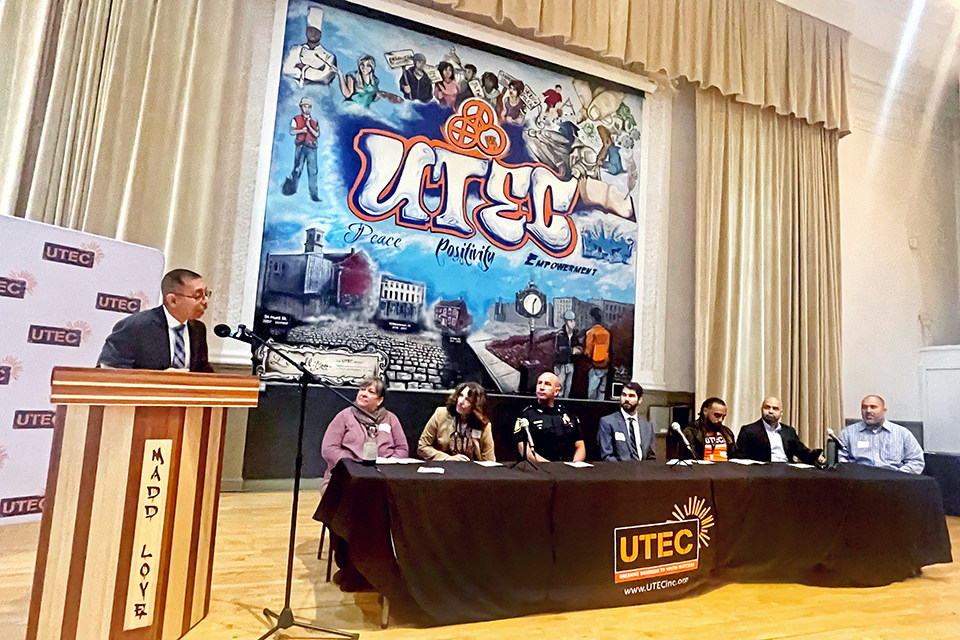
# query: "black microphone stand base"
[[285, 620], [517, 463], [524, 458]]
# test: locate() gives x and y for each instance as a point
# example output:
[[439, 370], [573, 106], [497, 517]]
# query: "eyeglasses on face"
[[199, 295]]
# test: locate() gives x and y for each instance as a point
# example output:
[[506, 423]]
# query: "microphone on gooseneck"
[[241, 334], [675, 427], [832, 436]]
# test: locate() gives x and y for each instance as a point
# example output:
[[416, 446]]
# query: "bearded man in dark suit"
[[170, 336], [767, 440]]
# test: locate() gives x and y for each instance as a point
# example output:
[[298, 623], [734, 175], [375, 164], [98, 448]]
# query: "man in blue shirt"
[[876, 442]]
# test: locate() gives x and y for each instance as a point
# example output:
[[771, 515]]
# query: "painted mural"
[[458, 214]]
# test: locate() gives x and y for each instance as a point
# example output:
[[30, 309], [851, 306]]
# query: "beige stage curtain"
[[142, 135], [768, 264], [23, 30], [758, 51]]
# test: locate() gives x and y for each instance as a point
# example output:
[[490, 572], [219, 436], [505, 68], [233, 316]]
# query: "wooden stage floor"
[[251, 555]]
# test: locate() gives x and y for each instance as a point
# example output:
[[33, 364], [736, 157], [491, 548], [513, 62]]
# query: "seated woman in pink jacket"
[[344, 438], [347, 432]]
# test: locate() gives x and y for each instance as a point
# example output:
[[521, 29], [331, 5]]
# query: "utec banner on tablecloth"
[[439, 209], [61, 292]]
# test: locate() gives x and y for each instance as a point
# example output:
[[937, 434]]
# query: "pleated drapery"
[[141, 138], [759, 52], [768, 264]]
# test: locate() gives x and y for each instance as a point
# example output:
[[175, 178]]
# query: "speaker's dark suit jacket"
[[612, 448], [142, 341], [754, 444]]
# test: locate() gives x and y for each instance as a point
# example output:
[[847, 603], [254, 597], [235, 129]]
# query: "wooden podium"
[[127, 535]]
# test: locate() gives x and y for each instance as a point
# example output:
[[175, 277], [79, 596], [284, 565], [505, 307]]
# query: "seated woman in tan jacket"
[[459, 430]]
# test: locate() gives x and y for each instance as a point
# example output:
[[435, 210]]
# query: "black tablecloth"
[[945, 467], [482, 543]]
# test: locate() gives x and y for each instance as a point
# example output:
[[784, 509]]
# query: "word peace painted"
[[359, 231], [453, 186]]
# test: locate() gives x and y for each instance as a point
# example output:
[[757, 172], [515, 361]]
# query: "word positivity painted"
[[459, 186]]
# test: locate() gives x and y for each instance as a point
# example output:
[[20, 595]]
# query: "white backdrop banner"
[[61, 292]]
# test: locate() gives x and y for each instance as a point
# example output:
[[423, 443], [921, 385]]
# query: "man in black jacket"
[[170, 336], [709, 438], [767, 440]]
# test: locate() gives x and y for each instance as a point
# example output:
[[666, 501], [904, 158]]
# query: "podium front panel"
[[126, 541]]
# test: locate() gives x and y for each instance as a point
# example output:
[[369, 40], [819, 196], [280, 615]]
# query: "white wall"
[[681, 247], [898, 232], [898, 199]]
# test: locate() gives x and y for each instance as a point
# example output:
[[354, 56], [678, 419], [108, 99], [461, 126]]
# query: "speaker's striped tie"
[[179, 349]]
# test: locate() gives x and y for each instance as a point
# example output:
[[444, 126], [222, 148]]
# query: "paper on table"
[[800, 465], [489, 463], [578, 465], [430, 470], [704, 461], [743, 461], [399, 461]]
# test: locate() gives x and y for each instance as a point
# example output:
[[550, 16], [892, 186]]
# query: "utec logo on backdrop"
[[72, 335], [120, 304], [23, 506], [24, 419], [87, 255], [12, 288], [17, 285], [665, 548]]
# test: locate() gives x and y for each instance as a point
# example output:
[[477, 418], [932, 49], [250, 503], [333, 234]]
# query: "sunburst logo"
[[81, 326], [95, 249], [10, 369], [140, 295], [29, 280], [695, 508]]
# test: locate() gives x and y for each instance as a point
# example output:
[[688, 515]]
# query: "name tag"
[[475, 434], [622, 437], [863, 444], [384, 427]]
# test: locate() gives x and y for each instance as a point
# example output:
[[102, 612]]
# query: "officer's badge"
[[566, 420]]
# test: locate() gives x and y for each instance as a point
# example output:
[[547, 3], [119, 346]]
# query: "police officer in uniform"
[[549, 430]]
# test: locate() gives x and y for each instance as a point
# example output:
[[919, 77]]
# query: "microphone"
[[675, 427], [241, 334], [832, 436]]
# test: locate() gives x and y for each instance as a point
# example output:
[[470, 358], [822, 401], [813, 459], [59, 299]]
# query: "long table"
[[478, 543]]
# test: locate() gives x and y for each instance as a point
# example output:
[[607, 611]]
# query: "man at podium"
[[170, 336]]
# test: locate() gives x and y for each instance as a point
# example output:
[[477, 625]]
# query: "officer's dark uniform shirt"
[[554, 431]]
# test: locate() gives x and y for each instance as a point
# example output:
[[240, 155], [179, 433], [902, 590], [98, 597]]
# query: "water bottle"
[[370, 447]]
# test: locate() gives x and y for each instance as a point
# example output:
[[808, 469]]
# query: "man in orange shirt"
[[307, 130], [598, 350]]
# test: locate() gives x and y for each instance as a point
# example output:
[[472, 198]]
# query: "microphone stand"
[[285, 618], [683, 439], [524, 458]]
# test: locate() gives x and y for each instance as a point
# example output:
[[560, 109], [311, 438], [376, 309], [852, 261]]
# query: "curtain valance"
[[759, 52]]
